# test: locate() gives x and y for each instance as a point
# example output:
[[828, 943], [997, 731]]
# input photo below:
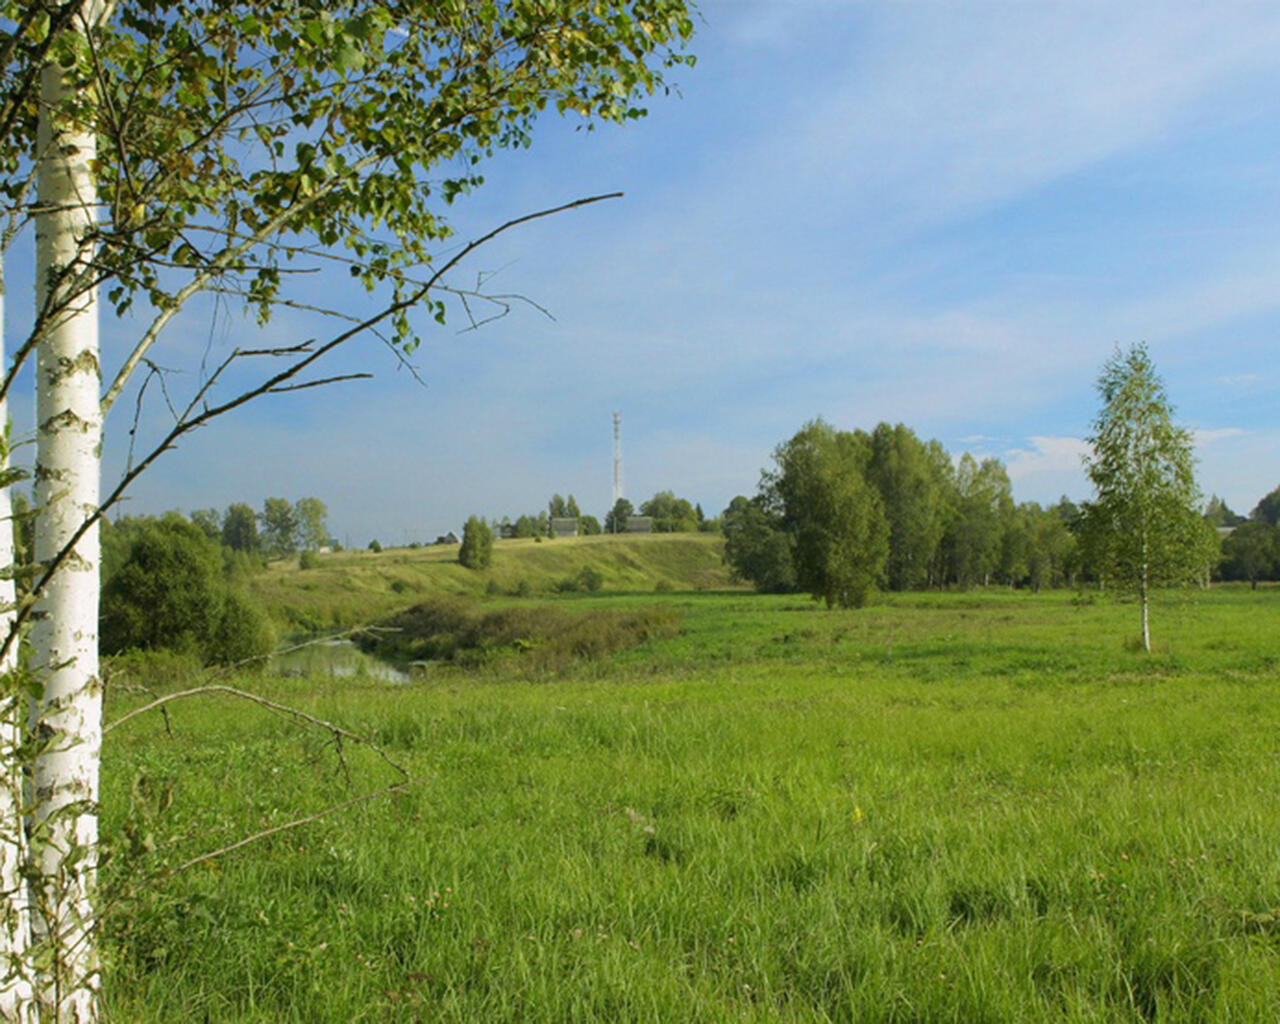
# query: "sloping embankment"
[[355, 588]]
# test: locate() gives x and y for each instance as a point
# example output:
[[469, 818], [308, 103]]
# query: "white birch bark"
[[64, 635], [16, 990]]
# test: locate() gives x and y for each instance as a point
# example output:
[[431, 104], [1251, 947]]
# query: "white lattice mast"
[[617, 457]]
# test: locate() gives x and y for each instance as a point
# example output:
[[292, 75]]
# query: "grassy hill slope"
[[353, 588]]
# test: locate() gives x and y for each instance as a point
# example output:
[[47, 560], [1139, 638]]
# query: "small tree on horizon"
[[1146, 522], [476, 551], [615, 521]]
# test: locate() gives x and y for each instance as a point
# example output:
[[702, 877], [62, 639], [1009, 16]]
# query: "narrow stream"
[[335, 659]]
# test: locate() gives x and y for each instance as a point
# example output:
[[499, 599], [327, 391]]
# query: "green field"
[[946, 807]]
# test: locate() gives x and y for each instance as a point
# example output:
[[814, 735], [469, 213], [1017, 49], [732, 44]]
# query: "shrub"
[[308, 560], [374, 546], [523, 589], [243, 631], [590, 578]]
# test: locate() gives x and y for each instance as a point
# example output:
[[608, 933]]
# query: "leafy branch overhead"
[[237, 139]]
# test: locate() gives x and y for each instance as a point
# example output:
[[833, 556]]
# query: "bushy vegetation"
[[168, 586], [544, 638]]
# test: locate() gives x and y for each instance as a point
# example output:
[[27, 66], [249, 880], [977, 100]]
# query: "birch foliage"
[[1144, 519]]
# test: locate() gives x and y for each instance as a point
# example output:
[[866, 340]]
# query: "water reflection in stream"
[[335, 659]]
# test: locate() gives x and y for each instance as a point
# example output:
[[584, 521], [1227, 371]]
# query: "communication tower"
[[617, 456]]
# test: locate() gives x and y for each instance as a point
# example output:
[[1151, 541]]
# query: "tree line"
[[670, 514], [843, 514], [1251, 551], [282, 528]]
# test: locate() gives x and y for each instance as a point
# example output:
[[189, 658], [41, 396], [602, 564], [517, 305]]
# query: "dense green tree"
[[557, 507], [757, 548], [526, 526], [1051, 550], [209, 521], [117, 537], [1251, 552], [616, 519], [476, 551], [981, 502], [670, 514], [170, 592], [912, 478], [588, 526], [1268, 509], [835, 517], [1146, 512], [279, 521], [311, 515], [571, 508], [240, 529]]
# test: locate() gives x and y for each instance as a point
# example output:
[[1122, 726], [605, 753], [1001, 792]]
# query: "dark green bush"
[[171, 593], [308, 560], [243, 631]]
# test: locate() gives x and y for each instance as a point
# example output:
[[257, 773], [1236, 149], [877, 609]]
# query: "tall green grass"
[[942, 808]]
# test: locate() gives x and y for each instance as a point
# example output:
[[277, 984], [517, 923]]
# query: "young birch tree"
[[185, 147], [1144, 520]]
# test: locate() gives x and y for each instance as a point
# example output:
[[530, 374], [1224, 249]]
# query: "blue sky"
[[942, 214]]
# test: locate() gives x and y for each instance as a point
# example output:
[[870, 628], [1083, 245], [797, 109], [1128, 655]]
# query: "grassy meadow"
[[946, 807]]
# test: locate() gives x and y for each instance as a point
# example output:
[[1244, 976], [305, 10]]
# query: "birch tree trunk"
[[16, 988], [64, 635], [1143, 588]]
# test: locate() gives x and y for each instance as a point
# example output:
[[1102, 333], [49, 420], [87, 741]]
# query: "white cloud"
[[1047, 467], [1204, 437]]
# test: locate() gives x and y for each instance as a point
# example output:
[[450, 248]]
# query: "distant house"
[[564, 526], [448, 538], [639, 524], [507, 531]]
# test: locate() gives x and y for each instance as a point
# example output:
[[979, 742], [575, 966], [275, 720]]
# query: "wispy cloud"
[[1202, 437], [1046, 467]]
